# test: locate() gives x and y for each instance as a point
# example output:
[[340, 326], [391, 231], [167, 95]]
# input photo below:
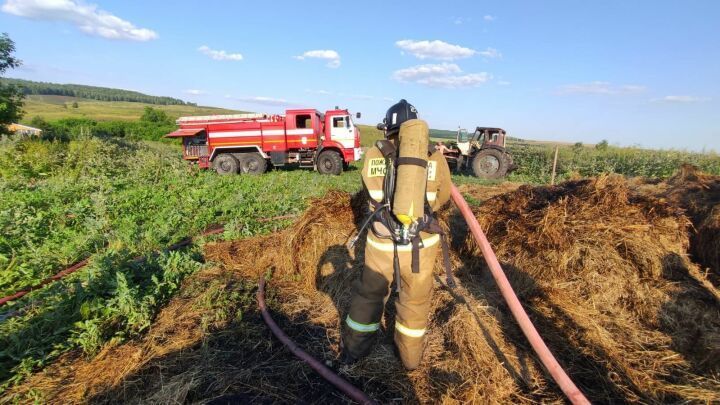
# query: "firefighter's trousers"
[[412, 304]]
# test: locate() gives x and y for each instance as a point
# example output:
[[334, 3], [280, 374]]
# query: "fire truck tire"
[[252, 163], [330, 162], [489, 164], [226, 163]]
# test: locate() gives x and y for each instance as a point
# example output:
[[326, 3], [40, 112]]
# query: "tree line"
[[152, 126], [91, 92]]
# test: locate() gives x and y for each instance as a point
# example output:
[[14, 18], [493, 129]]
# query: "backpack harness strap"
[[398, 233]]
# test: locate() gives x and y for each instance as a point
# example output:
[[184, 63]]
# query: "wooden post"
[[552, 179]]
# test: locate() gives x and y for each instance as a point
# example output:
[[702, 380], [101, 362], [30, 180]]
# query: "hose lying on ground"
[[19, 294], [81, 264], [348, 389], [546, 357]]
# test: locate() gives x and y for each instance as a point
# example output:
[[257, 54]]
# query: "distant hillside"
[[58, 107], [442, 134], [90, 92]]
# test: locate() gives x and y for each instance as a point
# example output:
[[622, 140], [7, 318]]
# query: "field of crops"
[[117, 201], [58, 107], [113, 200], [535, 161]]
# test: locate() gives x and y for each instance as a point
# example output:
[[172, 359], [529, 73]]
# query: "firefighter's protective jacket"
[[373, 287]]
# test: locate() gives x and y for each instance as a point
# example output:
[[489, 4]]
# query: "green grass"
[[57, 107], [112, 200]]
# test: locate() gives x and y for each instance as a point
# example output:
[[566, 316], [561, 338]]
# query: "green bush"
[[74, 128]]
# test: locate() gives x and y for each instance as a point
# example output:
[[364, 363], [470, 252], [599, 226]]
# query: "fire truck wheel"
[[252, 163], [330, 162], [225, 163]]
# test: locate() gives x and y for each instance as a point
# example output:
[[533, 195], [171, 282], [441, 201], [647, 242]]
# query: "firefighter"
[[406, 182]]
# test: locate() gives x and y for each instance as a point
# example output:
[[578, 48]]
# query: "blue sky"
[[632, 72]]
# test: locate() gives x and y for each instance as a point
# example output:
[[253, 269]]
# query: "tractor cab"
[[482, 138], [463, 140], [486, 137]]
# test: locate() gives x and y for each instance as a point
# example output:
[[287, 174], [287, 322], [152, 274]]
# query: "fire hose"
[[546, 357], [81, 264], [350, 390]]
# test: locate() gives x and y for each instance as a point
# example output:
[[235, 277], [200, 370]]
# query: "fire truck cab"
[[251, 143]]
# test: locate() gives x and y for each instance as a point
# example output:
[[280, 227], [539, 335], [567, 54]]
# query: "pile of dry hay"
[[601, 269], [605, 274], [699, 194]]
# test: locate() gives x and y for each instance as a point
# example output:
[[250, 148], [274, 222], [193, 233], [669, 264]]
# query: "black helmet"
[[396, 115]]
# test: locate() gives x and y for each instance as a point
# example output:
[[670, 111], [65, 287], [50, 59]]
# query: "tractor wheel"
[[330, 162], [225, 163], [489, 164], [252, 163]]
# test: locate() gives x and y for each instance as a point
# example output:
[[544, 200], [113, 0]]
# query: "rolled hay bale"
[[604, 274]]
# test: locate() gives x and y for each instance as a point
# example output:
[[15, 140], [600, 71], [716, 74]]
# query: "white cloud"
[[321, 92], [262, 100], [219, 55], [87, 17], [681, 99], [489, 17], [419, 71], [194, 92], [452, 82], [600, 87], [333, 57], [445, 75], [434, 49], [503, 83], [461, 20], [490, 53]]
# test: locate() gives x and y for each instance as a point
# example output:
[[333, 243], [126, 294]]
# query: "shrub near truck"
[[250, 143]]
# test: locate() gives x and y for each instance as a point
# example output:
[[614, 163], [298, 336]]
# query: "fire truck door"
[[343, 131]]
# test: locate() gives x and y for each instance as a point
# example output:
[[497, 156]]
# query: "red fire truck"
[[250, 143]]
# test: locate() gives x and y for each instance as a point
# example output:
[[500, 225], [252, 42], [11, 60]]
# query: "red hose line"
[[72, 269], [546, 357], [79, 265], [348, 389]]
